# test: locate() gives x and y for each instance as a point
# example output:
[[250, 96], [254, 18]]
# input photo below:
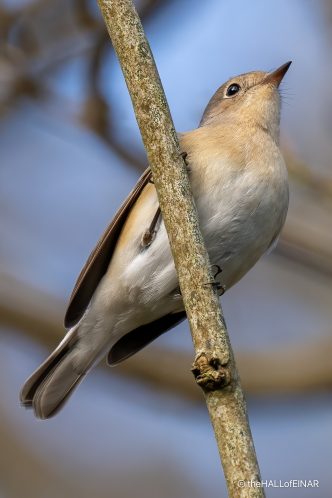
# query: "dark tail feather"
[[51, 384]]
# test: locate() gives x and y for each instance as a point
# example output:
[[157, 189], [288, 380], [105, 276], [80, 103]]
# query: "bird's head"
[[251, 97]]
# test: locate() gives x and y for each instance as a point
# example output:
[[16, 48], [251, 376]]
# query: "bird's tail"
[[47, 389]]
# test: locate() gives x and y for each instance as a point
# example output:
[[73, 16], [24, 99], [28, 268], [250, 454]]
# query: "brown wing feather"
[[98, 261]]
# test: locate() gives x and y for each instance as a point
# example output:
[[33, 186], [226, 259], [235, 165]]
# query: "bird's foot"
[[219, 270], [215, 284], [221, 289], [184, 156]]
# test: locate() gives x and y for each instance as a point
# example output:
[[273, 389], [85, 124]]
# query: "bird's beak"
[[275, 77]]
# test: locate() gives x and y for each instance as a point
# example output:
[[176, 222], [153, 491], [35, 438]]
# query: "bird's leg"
[[150, 233]]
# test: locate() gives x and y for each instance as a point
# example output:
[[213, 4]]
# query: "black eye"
[[232, 89]]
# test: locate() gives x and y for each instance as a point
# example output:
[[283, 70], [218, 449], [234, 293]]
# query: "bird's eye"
[[232, 89]]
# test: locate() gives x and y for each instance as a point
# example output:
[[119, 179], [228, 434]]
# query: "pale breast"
[[242, 207]]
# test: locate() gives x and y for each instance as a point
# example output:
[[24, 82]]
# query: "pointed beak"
[[275, 77]]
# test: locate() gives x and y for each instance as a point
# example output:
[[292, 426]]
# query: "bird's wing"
[[140, 337], [98, 261], [96, 267]]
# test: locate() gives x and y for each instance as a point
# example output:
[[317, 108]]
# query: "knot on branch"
[[209, 372]]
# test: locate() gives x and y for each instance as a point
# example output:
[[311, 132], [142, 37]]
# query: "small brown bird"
[[127, 293]]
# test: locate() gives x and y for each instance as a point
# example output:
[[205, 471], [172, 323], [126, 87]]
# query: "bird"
[[127, 294]]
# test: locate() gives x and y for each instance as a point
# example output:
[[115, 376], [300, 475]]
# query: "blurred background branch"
[[295, 369], [30, 53]]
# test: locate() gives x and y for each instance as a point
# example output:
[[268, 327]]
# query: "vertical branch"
[[214, 366]]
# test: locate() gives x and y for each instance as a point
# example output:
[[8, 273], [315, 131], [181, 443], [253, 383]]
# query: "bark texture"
[[214, 367]]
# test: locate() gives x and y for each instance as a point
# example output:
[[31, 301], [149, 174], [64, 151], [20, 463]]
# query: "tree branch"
[[214, 366]]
